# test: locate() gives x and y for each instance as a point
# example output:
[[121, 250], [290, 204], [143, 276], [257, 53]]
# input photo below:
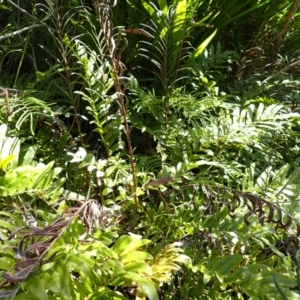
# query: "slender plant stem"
[[113, 43]]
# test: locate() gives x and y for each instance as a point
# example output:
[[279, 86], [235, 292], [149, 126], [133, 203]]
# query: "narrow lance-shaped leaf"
[[201, 47]]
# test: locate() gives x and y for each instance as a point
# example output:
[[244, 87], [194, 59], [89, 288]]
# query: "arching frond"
[[169, 46], [262, 210]]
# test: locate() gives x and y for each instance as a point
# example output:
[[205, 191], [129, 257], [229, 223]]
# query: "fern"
[[170, 45]]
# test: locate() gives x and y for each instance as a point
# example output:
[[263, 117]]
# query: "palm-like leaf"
[[169, 45]]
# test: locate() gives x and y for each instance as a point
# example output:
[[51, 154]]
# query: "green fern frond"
[[169, 46], [249, 124]]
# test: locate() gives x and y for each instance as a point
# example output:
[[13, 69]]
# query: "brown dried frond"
[[262, 209], [36, 241]]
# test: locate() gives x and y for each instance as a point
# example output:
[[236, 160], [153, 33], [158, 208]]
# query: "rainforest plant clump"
[[149, 150]]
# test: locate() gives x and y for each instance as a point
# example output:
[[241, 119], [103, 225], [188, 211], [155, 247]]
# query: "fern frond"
[[262, 209], [248, 125], [169, 46]]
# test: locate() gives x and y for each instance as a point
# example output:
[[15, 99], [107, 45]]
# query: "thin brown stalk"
[[103, 10]]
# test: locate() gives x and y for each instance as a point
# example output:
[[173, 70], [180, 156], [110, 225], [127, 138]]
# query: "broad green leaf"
[[116, 266], [81, 262], [106, 238], [139, 267], [79, 288], [6, 262], [64, 276], [147, 286], [136, 256], [18, 180], [26, 296], [102, 251], [97, 249], [126, 244], [51, 280], [107, 294], [56, 277], [36, 287]]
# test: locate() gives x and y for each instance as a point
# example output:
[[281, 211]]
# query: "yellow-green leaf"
[[125, 244], [139, 267], [136, 256], [201, 47], [4, 162]]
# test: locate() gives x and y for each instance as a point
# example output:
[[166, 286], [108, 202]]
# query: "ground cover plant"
[[149, 149]]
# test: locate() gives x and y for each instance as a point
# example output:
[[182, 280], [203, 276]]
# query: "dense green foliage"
[[149, 149]]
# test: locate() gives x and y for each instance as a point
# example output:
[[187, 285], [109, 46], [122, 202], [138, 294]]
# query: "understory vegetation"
[[149, 149]]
